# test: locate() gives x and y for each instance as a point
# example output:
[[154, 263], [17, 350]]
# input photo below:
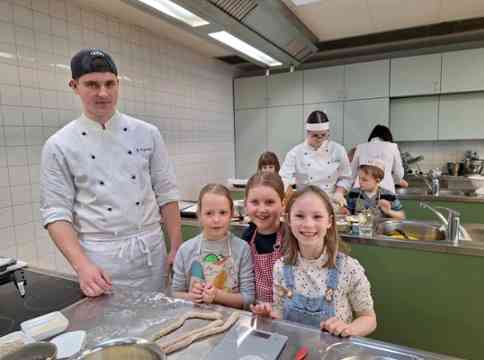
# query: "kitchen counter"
[[132, 313], [446, 195], [464, 247]]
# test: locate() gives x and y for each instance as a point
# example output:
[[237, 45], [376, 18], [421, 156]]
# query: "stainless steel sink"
[[475, 231], [410, 230], [412, 191], [356, 349]]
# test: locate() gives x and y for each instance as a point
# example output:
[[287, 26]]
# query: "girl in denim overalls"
[[314, 283]]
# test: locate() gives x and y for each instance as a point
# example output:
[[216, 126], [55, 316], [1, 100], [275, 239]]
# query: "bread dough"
[[207, 331], [214, 315]]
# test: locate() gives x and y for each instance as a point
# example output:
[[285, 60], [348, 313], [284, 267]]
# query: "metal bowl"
[[34, 351], [124, 349]]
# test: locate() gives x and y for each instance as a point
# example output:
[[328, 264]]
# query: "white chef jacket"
[[326, 167], [108, 182], [382, 150]]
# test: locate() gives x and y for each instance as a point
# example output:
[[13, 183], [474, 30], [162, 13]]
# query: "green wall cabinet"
[[415, 75], [324, 84], [360, 116], [367, 80], [414, 118], [463, 71]]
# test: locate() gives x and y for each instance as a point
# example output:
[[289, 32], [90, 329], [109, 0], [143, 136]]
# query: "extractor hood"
[[267, 25]]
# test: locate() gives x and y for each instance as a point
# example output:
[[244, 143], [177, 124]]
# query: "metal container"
[[34, 351], [473, 166], [124, 349], [453, 168]]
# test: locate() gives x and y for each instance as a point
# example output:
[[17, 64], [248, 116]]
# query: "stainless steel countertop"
[[127, 312], [418, 194], [464, 247]]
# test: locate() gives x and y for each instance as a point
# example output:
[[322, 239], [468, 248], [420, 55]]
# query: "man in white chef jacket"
[[318, 161], [106, 181]]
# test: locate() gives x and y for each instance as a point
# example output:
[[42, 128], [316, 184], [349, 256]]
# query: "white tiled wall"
[[188, 96], [437, 153]]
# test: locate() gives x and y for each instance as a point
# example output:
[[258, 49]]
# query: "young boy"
[[370, 195]]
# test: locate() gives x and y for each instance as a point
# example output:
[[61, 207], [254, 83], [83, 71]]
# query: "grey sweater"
[[189, 251]]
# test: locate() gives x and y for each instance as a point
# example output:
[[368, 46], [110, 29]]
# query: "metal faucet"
[[454, 230]]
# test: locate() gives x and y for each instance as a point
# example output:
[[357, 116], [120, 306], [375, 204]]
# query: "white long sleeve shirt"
[[326, 167], [383, 150], [107, 181]]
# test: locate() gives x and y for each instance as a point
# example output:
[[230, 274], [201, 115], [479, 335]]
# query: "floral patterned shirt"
[[353, 295]]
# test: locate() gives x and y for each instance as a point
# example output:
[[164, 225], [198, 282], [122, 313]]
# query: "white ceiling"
[[132, 15], [336, 19], [327, 19]]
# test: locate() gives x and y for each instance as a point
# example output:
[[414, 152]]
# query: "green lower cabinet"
[[429, 301], [470, 213]]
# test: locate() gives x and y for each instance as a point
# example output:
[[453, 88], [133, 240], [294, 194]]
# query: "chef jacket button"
[[130, 152], [327, 150], [110, 209], [309, 164], [329, 177], [305, 153], [329, 163], [125, 129], [137, 203], [101, 182], [93, 157], [310, 178], [133, 177], [84, 133]]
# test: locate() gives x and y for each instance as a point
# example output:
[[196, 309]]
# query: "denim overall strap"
[[288, 274], [332, 280], [311, 310]]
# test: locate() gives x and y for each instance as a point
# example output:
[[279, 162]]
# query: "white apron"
[[136, 260]]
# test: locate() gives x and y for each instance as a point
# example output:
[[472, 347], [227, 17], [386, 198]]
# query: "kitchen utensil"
[[473, 166], [302, 353], [246, 343], [124, 349], [45, 326], [34, 351], [477, 182], [452, 168], [69, 343]]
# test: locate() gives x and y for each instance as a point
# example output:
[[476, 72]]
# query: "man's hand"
[[93, 280], [171, 257]]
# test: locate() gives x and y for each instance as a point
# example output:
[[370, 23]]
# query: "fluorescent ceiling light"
[[243, 47], [176, 11], [304, 2]]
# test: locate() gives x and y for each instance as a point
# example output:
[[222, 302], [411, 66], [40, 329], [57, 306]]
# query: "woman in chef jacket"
[[380, 146], [318, 161]]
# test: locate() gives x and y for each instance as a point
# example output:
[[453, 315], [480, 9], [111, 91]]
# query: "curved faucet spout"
[[437, 213]]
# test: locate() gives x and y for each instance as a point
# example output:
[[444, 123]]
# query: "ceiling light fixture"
[[169, 8], [291, 69], [239, 45], [268, 72]]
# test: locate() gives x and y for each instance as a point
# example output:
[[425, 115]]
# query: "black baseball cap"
[[92, 60]]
